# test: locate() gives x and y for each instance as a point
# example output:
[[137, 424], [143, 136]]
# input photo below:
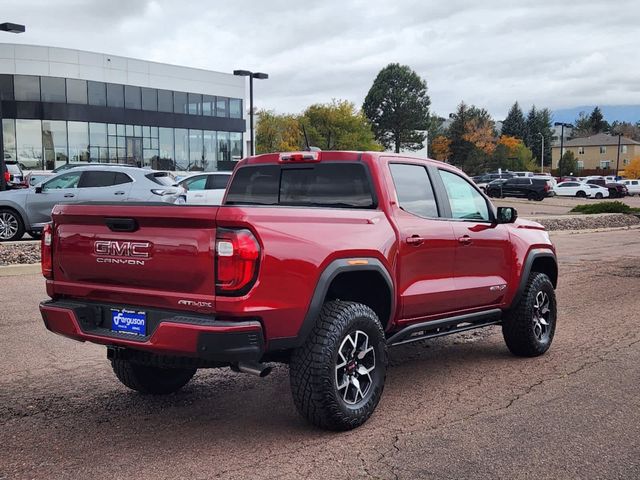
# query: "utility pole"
[[618, 158], [541, 153]]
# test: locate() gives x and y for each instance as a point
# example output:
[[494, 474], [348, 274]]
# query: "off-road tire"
[[519, 324], [151, 380], [17, 225], [313, 367]]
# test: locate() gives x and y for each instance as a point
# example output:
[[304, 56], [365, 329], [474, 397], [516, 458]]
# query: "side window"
[[97, 178], [197, 183], [465, 201], [216, 182], [122, 178], [414, 189], [66, 180]]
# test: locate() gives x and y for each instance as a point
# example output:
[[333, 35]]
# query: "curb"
[[20, 269], [595, 230]]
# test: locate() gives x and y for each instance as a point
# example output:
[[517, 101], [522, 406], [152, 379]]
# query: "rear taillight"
[[7, 177], [237, 259], [46, 251]]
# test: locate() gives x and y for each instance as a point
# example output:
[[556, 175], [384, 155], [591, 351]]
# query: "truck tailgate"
[[136, 254]]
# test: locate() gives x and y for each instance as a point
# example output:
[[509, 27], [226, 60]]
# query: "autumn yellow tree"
[[511, 143], [441, 148], [633, 169], [479, 132], [277, 133]]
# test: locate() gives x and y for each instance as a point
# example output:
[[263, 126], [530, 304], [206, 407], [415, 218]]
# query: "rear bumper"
[[169, 333]]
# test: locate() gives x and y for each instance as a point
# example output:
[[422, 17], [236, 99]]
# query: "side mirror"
[[38, 189], [507, 215]]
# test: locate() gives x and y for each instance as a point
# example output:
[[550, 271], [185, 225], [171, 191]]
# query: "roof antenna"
[[308, 148]]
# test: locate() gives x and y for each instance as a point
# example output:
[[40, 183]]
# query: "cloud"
[[487, 53]]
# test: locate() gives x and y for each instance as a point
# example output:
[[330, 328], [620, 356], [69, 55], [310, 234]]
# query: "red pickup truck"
[[321, 260]]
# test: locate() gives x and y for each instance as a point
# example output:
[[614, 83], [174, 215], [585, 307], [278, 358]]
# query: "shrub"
[[603, 207]]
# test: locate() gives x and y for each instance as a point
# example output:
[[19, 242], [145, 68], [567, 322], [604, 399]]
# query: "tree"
[[397, 106], [633, 169], [627, 129], [441, 148], [597, 122], [471, 128], [514, 125], [277, 133], [480, 131], [539, 122], [338, 126], [582, 126], [512, 154], [567, 164]]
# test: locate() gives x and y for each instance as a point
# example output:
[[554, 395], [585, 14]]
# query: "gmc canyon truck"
[[320, 260]]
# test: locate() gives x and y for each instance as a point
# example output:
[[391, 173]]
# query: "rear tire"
[[337, 376], [581, 194], [151, 380], [11, 225], [529, 327], [599, 196]]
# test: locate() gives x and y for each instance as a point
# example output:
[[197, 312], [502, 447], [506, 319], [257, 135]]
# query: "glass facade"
[[46, 144]]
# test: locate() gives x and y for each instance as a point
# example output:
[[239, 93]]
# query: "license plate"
[[128, 321]]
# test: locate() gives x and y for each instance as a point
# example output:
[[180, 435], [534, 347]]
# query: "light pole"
[[618, 159], [562, 125], [541, 153], [251, 75], [12, 28]]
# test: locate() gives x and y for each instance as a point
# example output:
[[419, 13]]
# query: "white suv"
[[632, 185]]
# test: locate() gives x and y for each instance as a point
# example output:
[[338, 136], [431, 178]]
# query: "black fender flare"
[[526, 270], [327, 276]]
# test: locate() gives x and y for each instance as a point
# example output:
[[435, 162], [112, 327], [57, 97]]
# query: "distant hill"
[[622, 113]]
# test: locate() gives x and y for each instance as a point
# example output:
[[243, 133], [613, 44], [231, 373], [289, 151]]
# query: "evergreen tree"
[[567, 164], [597, 122], [539, 122], [514, 125]]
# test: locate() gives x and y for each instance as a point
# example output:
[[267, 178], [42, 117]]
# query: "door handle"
[[415, 240], [69, 195], [465, 240], [119, 193]]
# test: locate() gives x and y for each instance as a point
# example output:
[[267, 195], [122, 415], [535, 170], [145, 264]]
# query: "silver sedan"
[[29, 209]]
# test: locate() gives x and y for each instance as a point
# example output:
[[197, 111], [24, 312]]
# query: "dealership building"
[[63, 106]]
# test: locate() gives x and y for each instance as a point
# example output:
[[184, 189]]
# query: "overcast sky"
[[489, 53]]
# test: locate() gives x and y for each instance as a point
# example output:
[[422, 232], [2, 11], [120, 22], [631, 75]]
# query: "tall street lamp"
[[560, 124], [618, 159], [541, 153], [12, 28], [251, 75]]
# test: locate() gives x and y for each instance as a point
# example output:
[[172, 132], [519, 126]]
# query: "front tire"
[[599, 196], [337, 376], [529, 327], [11, 225], [151, 380]]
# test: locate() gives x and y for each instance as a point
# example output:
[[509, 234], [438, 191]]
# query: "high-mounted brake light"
[[237, 259], [300, 157], [46, 251]]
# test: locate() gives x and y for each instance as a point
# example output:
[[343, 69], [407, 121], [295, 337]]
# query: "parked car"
[[525, 187], [205, 188], [36, 177], [323, 266], [633, 186], [523, 174], [616, 190], [13, 175], [29, 209], [596, 191], [573, 189], [483, 180]]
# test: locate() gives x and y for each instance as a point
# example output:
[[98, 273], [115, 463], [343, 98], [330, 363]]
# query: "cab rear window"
[[337, 185]]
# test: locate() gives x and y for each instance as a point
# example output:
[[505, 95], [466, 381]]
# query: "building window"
[[9, 136], [97, 93], [52, 89], [150, 99], [76, 91], [209, 150], [165, 101], [54, 142], [195, 104], [580, 165], [623, 149], [78, 134], [196, 155], [29, 143], [166, 148], [6, 87], [180, 103], [603, 149], [132, 97], [222, 107], [98, 142], [625, 161], [26, 88], [235, 108], [208, 105], [182, 148], [224, 153], [605, 164], [580, 150], [115, 95], [235, 140]]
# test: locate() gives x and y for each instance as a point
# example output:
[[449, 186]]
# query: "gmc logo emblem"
[[114, 248]]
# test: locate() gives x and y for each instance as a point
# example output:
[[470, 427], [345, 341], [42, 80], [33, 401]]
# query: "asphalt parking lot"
[[457, 407], [556, 205]]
